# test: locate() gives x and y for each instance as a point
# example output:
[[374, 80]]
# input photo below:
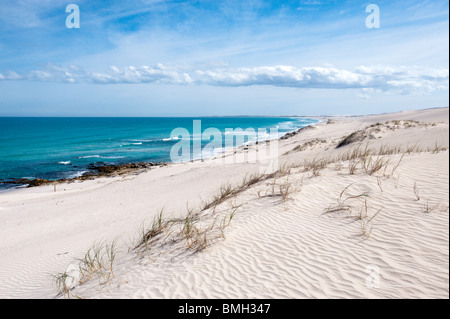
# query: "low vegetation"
[[205, 225]]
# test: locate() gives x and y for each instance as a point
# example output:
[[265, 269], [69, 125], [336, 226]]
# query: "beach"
[[67, 148], [356, 208]]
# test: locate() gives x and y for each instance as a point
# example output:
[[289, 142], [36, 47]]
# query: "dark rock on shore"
[[38, 182], [288, 135], [99, 169], [104, 169], [29, 182]]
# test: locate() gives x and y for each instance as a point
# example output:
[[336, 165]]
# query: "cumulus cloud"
[[403, 80], [285, 76], [10, 76]]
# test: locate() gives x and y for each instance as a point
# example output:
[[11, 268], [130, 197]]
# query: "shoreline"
[[283, 233], [101, 169]]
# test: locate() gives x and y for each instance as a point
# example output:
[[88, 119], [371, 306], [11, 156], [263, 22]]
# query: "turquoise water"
[[55, 148]]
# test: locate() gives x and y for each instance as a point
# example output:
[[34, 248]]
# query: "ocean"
[[56, 148]]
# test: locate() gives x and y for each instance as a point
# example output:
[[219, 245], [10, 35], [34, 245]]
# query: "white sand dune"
[[297, 248]]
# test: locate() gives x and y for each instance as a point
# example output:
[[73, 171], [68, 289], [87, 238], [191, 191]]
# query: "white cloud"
[[10, 76], [285, 76], [403, 80]]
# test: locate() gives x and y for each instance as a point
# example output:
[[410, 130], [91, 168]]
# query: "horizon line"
[[224, 116]]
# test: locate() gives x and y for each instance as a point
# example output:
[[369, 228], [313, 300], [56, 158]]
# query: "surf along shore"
[[357, 208]]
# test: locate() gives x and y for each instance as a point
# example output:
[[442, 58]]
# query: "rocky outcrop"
[[99, 169], [290, 134]]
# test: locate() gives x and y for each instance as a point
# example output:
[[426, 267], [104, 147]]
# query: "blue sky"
[[213, 57]]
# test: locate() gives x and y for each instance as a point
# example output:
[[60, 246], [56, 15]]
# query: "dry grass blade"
[[416, 191], [398, 164]]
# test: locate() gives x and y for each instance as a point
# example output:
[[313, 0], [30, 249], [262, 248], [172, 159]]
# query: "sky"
[[222, 57]]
